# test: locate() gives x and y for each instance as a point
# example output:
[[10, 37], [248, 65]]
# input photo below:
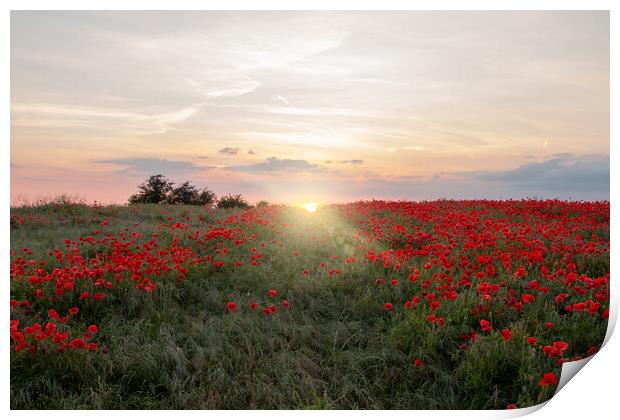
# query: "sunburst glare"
[[310, 207]]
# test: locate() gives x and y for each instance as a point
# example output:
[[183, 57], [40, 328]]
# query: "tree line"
[[157, 189]]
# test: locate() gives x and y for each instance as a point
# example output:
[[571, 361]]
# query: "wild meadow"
[[367, 305]]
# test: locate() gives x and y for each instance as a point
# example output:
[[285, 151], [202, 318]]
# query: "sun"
[[310, 207]]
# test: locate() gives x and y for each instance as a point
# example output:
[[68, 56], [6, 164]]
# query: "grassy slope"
[[334, 347]]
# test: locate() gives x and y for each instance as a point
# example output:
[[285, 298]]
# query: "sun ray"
[[310, 207]]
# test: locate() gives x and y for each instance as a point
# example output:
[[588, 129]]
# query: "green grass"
[[334, 348]]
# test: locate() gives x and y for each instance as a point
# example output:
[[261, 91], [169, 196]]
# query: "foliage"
[[157, 189], [232, 201], [206, 197]]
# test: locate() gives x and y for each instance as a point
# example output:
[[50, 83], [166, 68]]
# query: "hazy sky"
[[312, 106]]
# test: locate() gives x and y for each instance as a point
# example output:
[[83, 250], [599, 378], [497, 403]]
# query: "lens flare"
[[310, 207]]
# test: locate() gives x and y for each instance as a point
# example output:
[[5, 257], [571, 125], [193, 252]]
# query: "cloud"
[[153, 165], [560, 172], [306, 111], [345, 162], [63, 116], [316, 85], [251, 152], [231, 151], [563, 176], [239, 89], [276, 165], [402, 149]]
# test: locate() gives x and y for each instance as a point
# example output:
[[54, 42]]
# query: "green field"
[[175, 344]]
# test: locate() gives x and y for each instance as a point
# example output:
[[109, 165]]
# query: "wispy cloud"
[[301, 111], [561, 172], [401, 149], [284, 100], [153, 165], [561, 176], [237, 89], [276, 165], [373, 92], [230, 151], [347, 161], [64, 116]]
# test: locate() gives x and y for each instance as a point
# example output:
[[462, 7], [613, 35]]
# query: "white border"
[[590, 395]]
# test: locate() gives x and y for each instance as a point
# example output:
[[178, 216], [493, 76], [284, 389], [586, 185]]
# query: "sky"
[[325, 107]]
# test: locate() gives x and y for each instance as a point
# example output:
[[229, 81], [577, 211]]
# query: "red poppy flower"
[[506, 334], [548, 379], [388, 306], [486, 325], [270, 309], [527, 298], [78, 343], [53, 314], [231, 306], [553, 351]]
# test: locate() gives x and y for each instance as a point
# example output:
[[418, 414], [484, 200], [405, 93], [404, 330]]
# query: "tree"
[[206, 197], [155, 189], [185, 193], [158, 189], [231, 201]]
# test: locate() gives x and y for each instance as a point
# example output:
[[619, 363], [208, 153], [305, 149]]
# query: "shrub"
[[158, 189], [155, 189], [206, 197], [185, 193], [232, 201]]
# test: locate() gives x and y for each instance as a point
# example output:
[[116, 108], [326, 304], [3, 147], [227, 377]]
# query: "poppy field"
[[368, 305]]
